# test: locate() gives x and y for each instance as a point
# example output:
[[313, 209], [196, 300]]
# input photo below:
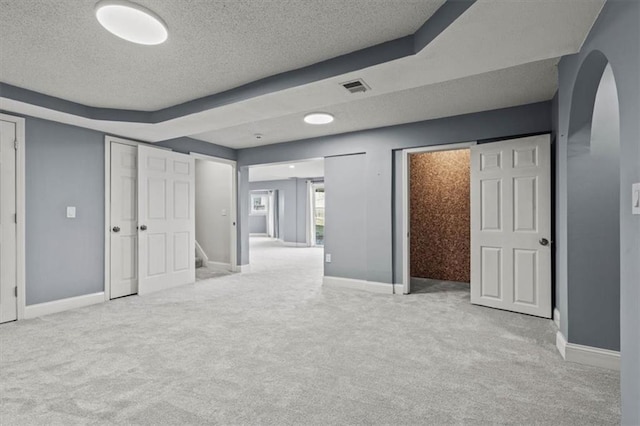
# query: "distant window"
[[259, 204]]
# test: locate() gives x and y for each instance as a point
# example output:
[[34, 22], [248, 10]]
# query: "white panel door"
[[8, 226], [511, 225], [124, 220], [166, 208]]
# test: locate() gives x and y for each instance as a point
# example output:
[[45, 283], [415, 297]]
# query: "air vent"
[[356, 86]]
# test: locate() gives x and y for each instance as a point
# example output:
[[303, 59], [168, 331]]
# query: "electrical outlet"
[[635, 198], [327, 257], [71, 212]]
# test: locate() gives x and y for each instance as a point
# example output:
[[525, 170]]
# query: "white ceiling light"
[[318, 118], [131, 22], [292, 166]]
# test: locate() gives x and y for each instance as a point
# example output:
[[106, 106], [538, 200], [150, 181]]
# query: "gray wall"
[[258, 223], [293, 216], [379, 144], [345, 234], [64, 167], [615, 35], [593, 219]]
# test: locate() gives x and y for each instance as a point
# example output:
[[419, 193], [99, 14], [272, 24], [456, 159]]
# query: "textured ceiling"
[[301, 169], [529, 83], [499, 53], [57, 47]]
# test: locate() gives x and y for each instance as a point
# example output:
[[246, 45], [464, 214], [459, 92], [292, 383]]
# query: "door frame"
[[233, 214], [406, 213], [20, 212], [108, 140]]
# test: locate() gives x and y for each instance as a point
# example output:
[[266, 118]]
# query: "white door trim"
[[20, 212], [234, 204], [406, 228], [108, 140]]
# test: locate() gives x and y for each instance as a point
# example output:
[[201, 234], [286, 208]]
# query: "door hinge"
[[15, 218], [15, 291], [15, 144]]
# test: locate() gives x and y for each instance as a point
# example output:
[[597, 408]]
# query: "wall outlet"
[[635, 198], [327, 257], [71, 212]]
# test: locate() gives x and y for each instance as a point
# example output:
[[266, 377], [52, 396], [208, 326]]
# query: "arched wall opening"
[[593, 207]]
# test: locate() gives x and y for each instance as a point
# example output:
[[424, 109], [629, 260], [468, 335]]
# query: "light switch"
[[327, 257], [71, 212], [224, 212], [635, 198]]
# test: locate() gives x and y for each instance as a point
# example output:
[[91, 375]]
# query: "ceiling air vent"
[[355, 86]]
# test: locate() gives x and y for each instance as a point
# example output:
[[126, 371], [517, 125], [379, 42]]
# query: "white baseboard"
[[561, 344], [398, 288], [556, 317], [289, 244], [258, 234], [243, 268], [587, 355], [357, 284], [40, 309], [219, 265]]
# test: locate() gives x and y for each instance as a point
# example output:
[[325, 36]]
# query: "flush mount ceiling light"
[[318, 118], [292, 166], [131, 22]]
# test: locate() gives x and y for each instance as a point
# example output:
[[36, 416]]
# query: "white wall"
[[213, 199]]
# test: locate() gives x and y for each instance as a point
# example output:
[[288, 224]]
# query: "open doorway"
[[286, 207], [439, 219], [480, 214], [214, 217]]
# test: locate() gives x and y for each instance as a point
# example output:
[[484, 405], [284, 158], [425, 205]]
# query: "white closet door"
[[124, 220], [166, 206], [511, 225], [8, 226]]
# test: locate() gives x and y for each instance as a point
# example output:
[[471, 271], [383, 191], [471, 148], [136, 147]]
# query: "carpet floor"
[[271, 346]]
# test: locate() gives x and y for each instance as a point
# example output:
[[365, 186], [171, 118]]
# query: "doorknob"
[[143, 227], [544, 242], [116, 229]]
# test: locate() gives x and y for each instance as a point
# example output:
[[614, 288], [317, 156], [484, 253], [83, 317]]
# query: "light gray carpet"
[[205, 273], [273, 347]]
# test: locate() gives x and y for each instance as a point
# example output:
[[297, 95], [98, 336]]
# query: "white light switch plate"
[[635, 198], [224, 212], [327, 258], [71, 212]]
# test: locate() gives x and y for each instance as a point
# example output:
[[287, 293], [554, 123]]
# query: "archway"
[[593, 207]]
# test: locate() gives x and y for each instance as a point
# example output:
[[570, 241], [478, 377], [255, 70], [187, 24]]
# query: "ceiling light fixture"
[[131, 22], [292, 166], [318, 118]]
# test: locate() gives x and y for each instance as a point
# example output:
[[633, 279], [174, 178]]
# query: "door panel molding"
[[108, 140], [522, 278], [166, 218]]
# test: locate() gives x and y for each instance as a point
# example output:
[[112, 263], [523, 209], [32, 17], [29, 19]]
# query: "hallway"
[[272, 346]]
